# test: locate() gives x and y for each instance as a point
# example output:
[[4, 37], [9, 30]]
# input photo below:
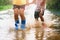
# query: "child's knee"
[[41, 14], [21, 10], [16, 11]]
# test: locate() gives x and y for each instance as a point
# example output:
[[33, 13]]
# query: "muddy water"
[[33, 32], [52, 32], [38, 34]]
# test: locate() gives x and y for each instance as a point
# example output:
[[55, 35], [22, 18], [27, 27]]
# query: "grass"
[[5, 7]]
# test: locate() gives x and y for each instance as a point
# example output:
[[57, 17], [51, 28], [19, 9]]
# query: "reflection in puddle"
[[38, 33], [20, 35]]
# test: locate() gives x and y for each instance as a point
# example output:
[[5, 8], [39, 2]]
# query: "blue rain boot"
[[16, 24], [23, 22]]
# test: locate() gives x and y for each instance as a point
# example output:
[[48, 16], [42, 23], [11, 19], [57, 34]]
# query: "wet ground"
[[33, 31]]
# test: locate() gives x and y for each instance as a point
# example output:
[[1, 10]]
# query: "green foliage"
[[5, 7], [5, 2], [53, 5]]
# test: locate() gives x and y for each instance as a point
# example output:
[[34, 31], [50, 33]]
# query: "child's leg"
[[42, 19], [16, 14], [41, 15], [16, 18], [23, 21]]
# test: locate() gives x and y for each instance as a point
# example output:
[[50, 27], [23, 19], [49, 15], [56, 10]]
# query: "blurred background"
[[51, 4]]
